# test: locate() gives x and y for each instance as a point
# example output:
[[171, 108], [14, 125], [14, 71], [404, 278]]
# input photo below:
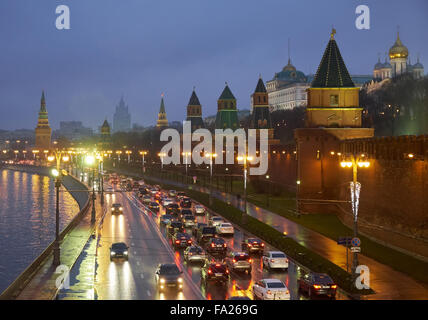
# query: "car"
[[185, 212], [275, 260], [196, 227], [172, 208], [143, 191], [239, 261], [109, 189], [136, 186], [147, 199], [225, 228], [186, 202], [271, 289], [154, 206], [181, 240], [116, 208], [199, 209], [172, 193], [180, 195], [153, 192], [119, 250], [205, 233], [214, 272], [317, 284], [174, 226], [251, 245], [158, 196], [194, 253], [216, 246], [189, 220], [166, 218], [168, 275], [215, 221]]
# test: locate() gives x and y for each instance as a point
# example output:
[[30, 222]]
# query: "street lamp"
[[161, 155], [58, 174], [186, 155], [143, 153], [101, 176], [128, 152], [90, 160], [211, 156], [244, 159], [355, 162]]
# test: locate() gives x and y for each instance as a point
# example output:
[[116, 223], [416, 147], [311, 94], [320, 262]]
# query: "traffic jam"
[[226, 262]]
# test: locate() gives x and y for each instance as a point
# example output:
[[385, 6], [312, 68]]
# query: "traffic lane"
[[157, 250], [240, 283], [133, 279]]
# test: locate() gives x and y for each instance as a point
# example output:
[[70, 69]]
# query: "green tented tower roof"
[[332, 71], [227, 94]]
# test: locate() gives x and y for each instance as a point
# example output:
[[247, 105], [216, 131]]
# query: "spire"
[[162, 105], [332, 71], [227, 94], [194, 101], [43, 102], [260, 86]]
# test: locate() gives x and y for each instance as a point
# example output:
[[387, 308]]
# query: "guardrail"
[[16, 287]]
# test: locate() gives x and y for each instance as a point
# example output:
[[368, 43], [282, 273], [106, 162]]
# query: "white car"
[[199, 209], [275, 260], [271, 289], [167, 202], [225, 228], [147, 199], [216, 221]]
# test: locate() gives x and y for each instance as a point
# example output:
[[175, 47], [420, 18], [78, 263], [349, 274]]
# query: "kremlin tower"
[[162, 120], [194, 112], [43, 130], [227, 114]]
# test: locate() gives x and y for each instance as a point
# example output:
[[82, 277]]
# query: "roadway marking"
[[142, 276], [149, 293], [138, 263]]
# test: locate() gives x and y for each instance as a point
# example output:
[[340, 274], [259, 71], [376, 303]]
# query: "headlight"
[[112, 209], [120, 208], [125, 253], [180, 280], [162, 280], [112, 253]]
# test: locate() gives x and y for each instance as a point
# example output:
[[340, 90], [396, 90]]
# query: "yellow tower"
[[43, 130], [162, 120], [333, 99]]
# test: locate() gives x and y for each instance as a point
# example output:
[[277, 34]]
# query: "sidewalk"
[[43, 284], [385, 281]]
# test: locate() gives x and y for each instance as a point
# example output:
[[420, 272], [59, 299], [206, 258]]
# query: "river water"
[[27, 220]]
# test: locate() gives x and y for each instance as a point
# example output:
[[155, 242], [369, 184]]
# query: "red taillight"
[[234, 260], [249, 244], [250, 260], [269, 292], [262, 244], [190, 241], [272, 260], [317, 286], [224, 245], [212, 245], [333, 286], [177, 241], [209, 271], [217, 265], [227, 271]]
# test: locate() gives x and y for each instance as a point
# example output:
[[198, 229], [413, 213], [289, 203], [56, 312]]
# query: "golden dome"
[[398, 50]]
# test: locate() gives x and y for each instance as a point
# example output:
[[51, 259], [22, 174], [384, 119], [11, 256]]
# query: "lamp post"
[[56, 172], [101, 176], [143, 153], [186, 155], [128, 152], [244, 159], [211, 156], [90, 160], [161, 155], [356, 161]]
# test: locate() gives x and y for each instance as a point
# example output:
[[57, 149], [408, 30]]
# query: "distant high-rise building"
[[162, 120], [43, 130], [121, 118], [194, 112], [227, 115]]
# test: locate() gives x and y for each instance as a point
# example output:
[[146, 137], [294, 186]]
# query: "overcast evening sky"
[[142, 48]]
